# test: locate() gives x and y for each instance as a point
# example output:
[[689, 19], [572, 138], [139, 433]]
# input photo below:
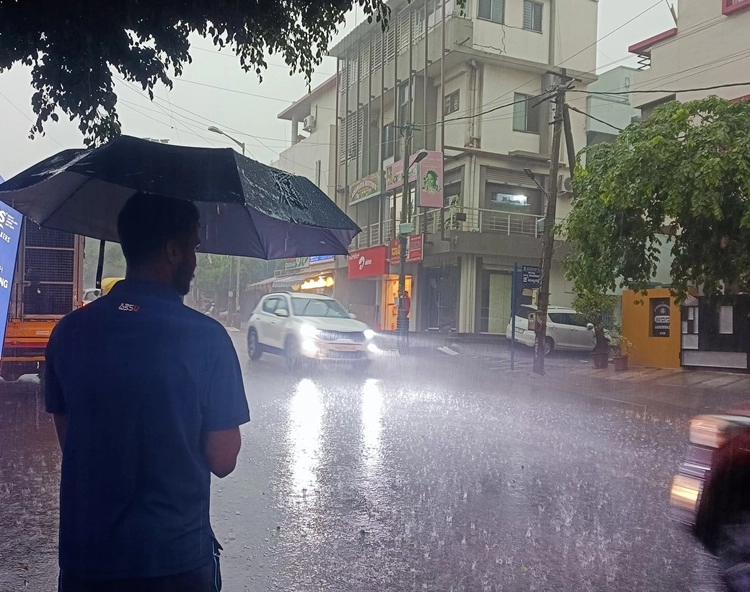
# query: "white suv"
[[307, 326], [565, 329]]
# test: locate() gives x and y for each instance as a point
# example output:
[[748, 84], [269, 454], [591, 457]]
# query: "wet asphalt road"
[[430, 473]]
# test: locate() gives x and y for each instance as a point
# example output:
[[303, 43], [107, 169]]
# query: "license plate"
[[342, 347]]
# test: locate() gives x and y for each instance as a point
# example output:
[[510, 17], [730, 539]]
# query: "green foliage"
[[215, 274], [594, 307], [114, 262], [679, 180], [74, 47]]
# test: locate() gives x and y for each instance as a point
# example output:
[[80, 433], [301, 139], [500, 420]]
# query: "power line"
[[612, 32], [670, 91], [234, 56], [619, 129], [12, 104], [242, 92]]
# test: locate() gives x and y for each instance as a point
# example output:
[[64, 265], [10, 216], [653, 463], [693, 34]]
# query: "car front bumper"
[[315, 349]]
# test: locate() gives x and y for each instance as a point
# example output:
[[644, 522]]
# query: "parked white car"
[[308, 326], [565, 329]]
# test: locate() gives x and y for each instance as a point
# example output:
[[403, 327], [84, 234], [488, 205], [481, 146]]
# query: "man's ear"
[[174, 252]]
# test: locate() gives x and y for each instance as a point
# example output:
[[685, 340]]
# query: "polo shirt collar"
[[145, 288]]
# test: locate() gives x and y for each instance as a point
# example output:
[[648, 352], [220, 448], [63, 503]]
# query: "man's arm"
[[61, 427], [221, 449]]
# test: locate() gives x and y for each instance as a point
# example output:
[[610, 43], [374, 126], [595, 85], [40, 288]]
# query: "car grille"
[[355, 336]]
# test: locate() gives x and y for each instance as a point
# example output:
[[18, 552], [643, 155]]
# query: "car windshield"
[[318, 307]]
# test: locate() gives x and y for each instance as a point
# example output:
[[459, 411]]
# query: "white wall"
[[301, 158], [709, 49]]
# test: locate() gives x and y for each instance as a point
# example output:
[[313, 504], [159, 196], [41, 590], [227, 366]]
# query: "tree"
[[595, 308], [215, 275], [676, 184], [75, 47]]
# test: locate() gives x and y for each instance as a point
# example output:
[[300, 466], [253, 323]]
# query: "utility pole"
[[549, 227], [404, 230], [402, 320], [569, 142]]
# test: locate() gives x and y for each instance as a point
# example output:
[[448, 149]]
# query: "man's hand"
[[221, 449]]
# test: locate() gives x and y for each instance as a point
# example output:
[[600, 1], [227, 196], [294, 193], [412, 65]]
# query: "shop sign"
[[660, 317], [531, 276], [365, 188], [368, 262], [394, 174], [316, 259], [296, 263], [430, 186], [414, 251], [10, 233]]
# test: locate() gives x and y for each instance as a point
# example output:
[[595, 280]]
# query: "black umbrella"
[[247, 208]]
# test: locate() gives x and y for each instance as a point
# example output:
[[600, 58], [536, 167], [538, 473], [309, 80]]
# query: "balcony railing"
[[457, 219]]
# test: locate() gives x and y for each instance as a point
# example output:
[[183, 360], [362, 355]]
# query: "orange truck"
[[47, 285]]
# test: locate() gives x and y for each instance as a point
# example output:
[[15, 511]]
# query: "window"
[[532, 15], [452, 102], [389, 140], [492, 10], [525, 114], [270, 305], [730, 6]]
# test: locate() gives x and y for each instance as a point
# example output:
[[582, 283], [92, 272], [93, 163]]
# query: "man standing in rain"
[[147, 397]]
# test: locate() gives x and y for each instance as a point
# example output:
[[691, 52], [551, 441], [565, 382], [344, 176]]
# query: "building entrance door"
[[390, 301]]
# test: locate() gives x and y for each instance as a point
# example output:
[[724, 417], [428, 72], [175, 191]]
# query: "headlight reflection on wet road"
[[305, 417]]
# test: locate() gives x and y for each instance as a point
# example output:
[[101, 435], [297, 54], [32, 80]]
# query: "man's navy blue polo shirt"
[[141, 379]]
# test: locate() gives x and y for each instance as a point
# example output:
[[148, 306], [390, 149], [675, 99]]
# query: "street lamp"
[[402, 320], [216, 130], [236, 315]]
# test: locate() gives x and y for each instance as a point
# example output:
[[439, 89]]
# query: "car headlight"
[[707, 430], [309, 331], [369, 333]]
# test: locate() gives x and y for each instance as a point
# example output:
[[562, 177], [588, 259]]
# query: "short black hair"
[[147, 222]]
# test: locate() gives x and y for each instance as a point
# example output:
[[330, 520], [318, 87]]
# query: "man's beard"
[[182, 280]]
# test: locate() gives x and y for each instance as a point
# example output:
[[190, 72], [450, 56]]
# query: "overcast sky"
[[215, 91]]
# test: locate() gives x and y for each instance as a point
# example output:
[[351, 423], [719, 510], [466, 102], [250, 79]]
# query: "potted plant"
[[592, 307], [621, 347]]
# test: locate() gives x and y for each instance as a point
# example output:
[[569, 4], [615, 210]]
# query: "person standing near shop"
[[407, 303], [147, 397]]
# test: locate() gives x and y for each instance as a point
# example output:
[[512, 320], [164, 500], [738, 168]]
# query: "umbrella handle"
[[100, 265]]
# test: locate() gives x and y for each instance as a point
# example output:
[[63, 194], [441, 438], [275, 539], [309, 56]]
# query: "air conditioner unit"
[[308, 123]]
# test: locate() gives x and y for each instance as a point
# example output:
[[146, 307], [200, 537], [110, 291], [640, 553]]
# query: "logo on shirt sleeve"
[[125, 307]]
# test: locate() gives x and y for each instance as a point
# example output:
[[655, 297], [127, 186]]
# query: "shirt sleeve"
[[226, 403], [54, 401]]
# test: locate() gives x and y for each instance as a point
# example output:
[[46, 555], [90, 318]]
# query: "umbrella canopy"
[[247, 208]]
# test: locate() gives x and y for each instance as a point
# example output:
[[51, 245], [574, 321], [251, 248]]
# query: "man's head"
[[159, 236]]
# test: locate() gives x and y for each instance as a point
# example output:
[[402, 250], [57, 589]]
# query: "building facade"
[[706, 48], [469, 88], [612, 106]]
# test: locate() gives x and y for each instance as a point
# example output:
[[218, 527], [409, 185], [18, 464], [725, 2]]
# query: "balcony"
[[472, 220]]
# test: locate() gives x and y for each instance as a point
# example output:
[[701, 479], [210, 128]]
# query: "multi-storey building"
[[471, 86], [611, 107], [707, 48]]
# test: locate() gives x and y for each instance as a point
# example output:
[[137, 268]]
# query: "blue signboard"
[[321, 259], [10, 233]]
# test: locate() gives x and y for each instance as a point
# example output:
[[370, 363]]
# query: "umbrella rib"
[[62, 202], [257, 235]]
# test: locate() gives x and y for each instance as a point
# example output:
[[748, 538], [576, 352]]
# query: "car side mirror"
[[590, 327], [281, 313], [352, 315]]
